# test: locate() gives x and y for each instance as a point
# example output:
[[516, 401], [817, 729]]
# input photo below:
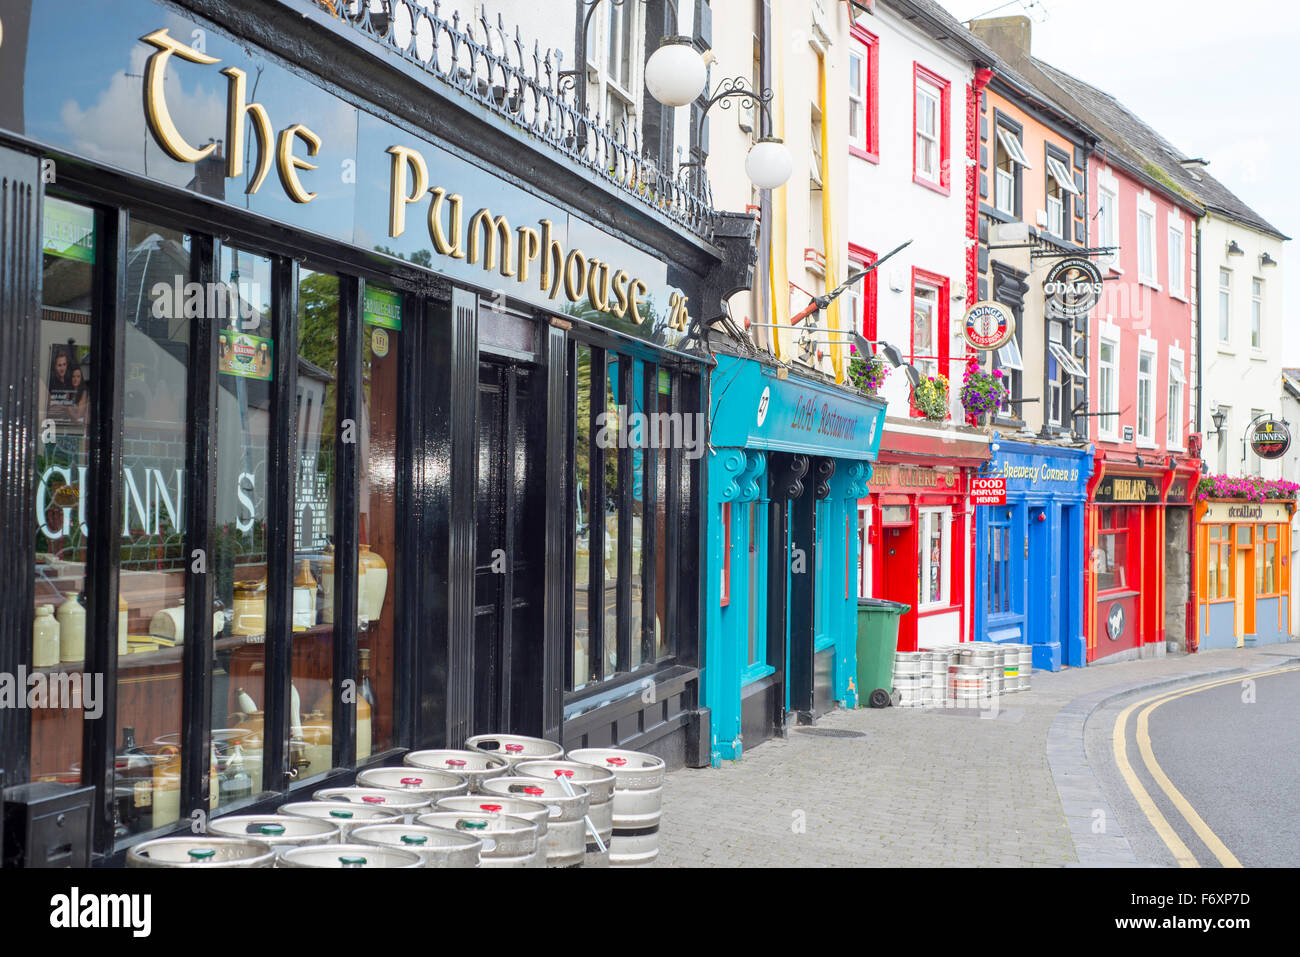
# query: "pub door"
[[509, 509]]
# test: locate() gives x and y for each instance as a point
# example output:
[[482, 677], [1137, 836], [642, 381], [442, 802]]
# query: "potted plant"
[[867, 373], [981, 392], [931, 398]]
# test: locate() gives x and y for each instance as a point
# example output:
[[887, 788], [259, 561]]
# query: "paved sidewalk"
[[907, 788]]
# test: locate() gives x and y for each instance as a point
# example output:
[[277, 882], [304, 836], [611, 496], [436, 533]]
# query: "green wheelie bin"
[[877, 643]]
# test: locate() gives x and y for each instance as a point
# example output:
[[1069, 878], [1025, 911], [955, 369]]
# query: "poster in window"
[[245, 356], [67, 383]]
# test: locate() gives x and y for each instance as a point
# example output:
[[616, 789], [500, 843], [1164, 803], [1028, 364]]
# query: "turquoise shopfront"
[[790, 457], [1030, 552]]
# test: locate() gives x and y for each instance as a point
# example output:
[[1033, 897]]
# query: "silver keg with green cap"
[[279, 830], [507, 841], [440, 847], [349, 857], [194, 852], [345, 816]]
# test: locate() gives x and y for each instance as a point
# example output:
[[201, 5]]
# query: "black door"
[[509, 534]]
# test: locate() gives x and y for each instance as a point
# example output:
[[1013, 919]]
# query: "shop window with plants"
[[1246, 488]]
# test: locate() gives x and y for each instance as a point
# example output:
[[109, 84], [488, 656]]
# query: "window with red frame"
[[932, 147], [929, 352], [1112, 549], [864, 97], [861, 297]]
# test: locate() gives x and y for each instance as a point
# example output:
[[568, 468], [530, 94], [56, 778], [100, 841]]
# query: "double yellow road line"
[[1182, 854]]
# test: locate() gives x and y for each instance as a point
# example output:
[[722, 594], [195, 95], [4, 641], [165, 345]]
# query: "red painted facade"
[[1143, 317]]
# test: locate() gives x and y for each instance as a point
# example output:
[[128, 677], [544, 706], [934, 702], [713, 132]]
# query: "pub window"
[[153, 563], [625, 501], [1267, 584], [999, 545], [316, 408], [69, 310], [1218, 563], [238, 544], [935, 565], [1112, 545]]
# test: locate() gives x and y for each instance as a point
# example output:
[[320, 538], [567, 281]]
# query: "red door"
[[899, 576]]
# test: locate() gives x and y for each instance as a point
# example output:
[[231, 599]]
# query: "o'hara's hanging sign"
[[1073, 287], [988, 326], [1270, 439]]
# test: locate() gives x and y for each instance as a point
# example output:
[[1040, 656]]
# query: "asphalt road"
[[1228, 751]]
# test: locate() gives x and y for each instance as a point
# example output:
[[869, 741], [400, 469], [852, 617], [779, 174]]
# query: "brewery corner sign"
[[988, 326], [1270, 439], [1073, 287]]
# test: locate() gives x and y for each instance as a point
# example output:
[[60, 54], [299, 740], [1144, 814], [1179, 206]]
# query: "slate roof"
[[1142, 145]]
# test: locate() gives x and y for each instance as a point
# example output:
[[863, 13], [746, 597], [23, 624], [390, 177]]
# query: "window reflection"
[[316, 408], [237, 554]]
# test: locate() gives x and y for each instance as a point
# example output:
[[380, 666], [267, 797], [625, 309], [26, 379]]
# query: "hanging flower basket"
[[867, 373], [981, 392], [931, 398], [1247, 488]]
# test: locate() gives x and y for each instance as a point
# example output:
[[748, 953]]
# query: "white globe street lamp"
[[675, 74], [769, 164]]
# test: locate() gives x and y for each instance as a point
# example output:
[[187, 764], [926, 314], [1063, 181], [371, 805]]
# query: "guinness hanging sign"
[[1270, 439], [1072, 288]]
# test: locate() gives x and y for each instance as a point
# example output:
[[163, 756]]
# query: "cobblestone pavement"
[[907, 787]]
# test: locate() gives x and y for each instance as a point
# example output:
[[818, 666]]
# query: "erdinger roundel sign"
[[988, 491], [988, 326], [1073, 287]]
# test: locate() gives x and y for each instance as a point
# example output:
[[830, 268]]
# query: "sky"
[[1217, 80]]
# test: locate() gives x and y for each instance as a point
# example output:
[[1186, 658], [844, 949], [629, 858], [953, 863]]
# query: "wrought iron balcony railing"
[[484, 62]]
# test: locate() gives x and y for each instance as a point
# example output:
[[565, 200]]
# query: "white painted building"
[[1242, 333]]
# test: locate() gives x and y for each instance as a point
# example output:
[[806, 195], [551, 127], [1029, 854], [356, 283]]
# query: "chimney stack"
[[1011, 37]]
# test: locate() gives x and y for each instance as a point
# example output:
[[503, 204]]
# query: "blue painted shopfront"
[[788, 461], [1030, 552]]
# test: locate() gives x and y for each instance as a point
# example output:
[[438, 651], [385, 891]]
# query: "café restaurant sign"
[[1127, 490], [170, 97], [794, 414]]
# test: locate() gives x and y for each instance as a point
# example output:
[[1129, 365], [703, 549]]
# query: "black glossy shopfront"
[[309, 362]]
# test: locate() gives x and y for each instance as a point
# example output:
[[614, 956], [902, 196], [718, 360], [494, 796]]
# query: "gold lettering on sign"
[[621, 279], [552, 260], [575, 286], [490, 240], [398, 197], [638, 290], [288, 165], [598, 285], [530, 247], [155, 104], [496, 229], [237, 108], [437, 233]]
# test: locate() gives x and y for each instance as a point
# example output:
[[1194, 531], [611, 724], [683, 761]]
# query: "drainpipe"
[[1200, 341]]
